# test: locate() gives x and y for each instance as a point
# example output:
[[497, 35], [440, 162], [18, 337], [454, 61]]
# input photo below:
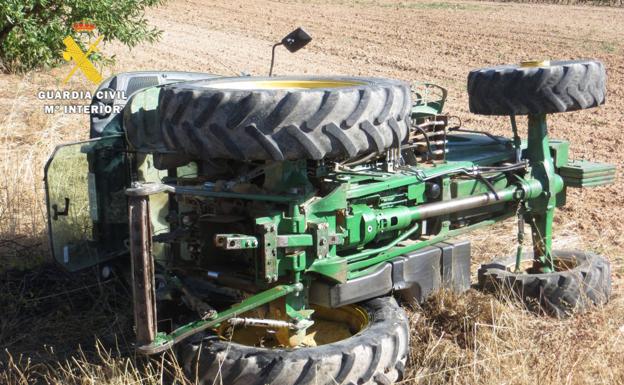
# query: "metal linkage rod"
[[262, 323]]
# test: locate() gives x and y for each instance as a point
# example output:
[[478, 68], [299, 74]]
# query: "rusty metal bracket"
[[268, 250], [235, 241], [320, 234], [144, 296]]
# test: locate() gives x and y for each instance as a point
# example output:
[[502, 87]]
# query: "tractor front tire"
[[586, 282], [548, 87], [375, 356]]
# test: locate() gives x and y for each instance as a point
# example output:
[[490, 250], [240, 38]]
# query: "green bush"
[[32, 31]]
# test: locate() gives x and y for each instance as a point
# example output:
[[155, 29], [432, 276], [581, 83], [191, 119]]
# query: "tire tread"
[[560, 87]]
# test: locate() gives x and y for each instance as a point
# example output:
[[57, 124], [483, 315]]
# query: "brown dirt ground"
[[412, 40]]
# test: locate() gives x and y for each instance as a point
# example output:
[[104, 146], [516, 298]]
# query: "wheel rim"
[[330, 326], [535, 63], [282, 84], [561, 264]]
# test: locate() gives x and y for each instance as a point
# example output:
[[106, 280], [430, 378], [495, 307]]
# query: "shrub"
[[32, 31]]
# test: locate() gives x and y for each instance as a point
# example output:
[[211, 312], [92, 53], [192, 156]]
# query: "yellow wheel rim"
[[281, 84], [330, 325], [561, 264], [535, 63]]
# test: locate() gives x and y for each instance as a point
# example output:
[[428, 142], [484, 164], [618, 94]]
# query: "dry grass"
[[57, 328], [27, 138], [475, 339], [61, 328]]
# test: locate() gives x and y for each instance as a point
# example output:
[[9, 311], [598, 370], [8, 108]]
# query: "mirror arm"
[[273, 57]]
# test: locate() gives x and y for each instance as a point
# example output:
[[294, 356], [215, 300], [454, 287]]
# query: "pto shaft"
[[435, 209]]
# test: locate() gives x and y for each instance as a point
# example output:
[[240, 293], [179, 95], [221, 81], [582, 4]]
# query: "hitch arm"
[[163, 341], [149, 340]]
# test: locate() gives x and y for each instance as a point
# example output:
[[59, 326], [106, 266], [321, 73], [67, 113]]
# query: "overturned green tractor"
[[266, 223]]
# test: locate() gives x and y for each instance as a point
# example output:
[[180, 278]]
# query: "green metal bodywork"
[[364, 216], [583, 173], [540, 210]]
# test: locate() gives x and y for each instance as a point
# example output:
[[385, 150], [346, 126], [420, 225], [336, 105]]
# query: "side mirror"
[[293, 42], [296, 40]]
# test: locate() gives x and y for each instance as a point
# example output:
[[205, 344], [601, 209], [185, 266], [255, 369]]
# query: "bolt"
[[106, 272], [432, 190]]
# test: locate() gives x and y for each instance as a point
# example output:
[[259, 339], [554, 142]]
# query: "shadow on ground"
[[49, 316]]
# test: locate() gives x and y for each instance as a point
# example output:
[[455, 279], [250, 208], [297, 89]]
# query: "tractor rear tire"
[[558, 86], [276, 118], [560, 293], [375, 356]]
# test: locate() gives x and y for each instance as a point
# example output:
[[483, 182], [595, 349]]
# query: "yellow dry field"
[[468, 339]]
